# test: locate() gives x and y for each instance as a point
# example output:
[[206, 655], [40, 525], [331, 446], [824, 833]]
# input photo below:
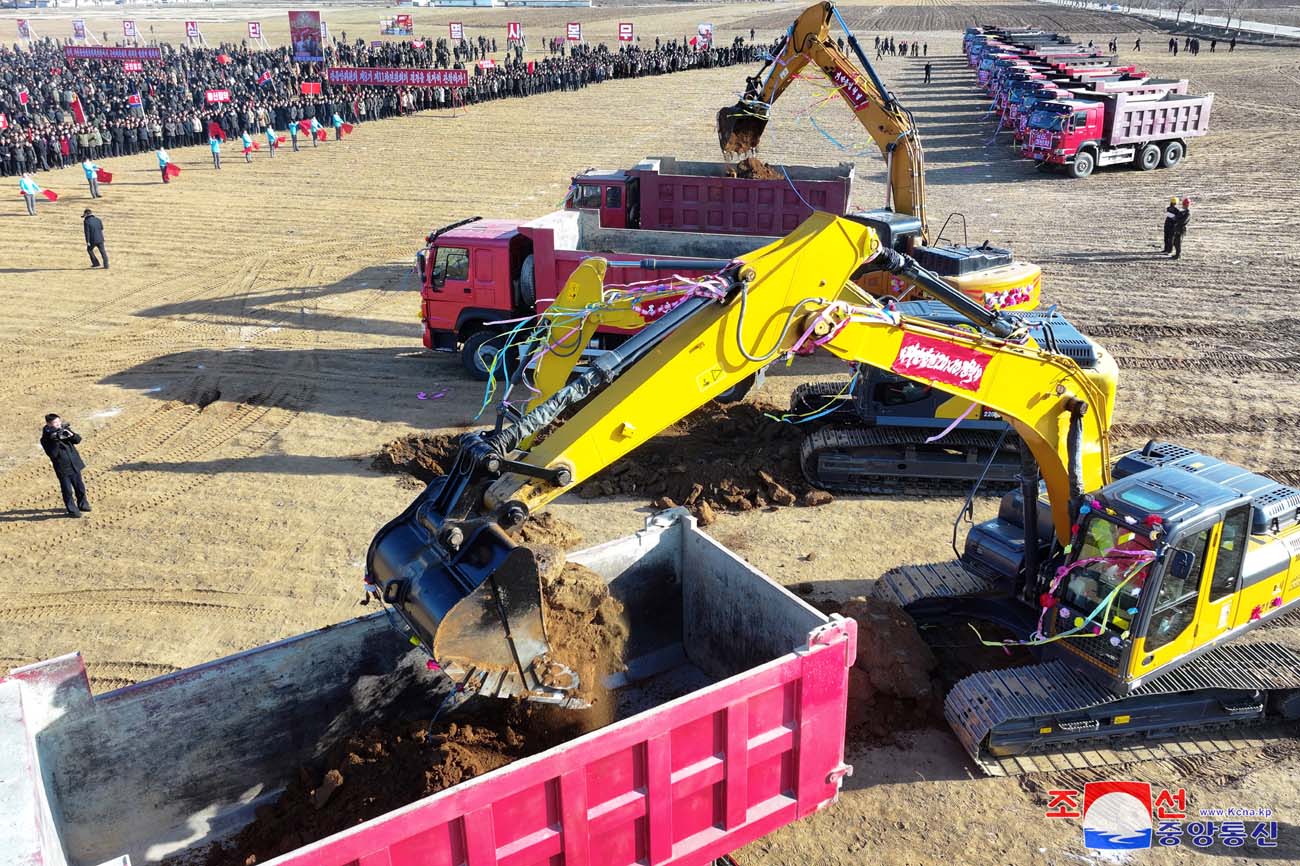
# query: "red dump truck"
[[732, 725], [662, 193], [480, 271], [1092, 130]]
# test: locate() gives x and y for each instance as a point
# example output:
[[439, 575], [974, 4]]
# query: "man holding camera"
[[60, 444]]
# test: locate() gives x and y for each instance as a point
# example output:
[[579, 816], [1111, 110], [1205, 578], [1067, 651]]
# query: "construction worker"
[[164, 160], [338, 126], [1180, 227], [93, 227], [214, 145], [92, 176], [30, 189], [270, 140], [1171, 220], [60, 444]]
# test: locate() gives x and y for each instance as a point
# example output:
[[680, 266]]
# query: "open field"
[[257, 341]]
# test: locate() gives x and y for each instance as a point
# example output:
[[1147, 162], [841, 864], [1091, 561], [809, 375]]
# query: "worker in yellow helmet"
[[1171, 220]]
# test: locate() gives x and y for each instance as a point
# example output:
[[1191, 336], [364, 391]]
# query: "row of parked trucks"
[[1075, 108]]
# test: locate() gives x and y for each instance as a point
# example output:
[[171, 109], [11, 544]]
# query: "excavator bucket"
[[475, 604], [740, 127]]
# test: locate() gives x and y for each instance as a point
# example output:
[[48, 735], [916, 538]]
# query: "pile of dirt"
[[892, 684], [720, 458], [383, 768], [753, 168]]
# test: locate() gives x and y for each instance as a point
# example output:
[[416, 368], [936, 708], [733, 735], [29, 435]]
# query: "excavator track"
[[1217, 702], [898, 461], [1046, 716]]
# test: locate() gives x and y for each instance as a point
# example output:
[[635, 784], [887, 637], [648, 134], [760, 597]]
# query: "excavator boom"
[[472, 597], [887, 122]]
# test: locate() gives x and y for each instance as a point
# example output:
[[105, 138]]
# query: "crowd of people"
[[887, 46], [59, 112]]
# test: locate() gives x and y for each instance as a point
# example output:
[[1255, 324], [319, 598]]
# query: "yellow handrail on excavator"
[[887, 122]]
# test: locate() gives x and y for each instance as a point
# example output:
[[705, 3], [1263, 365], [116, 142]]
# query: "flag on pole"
[[23, 95], [78, 114], [264, 77], [103, 176], [134, 100], [347, 128], [304, 126], [215, 131]]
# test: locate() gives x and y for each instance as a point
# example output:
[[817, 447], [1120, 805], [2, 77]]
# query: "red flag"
[[103, 176], [264, 77], [50, 194], [223, 59], [321, 135], [215, 131], [23, 95], [279, 140], [304, 126], [172, 169], [347, 128], [77, 113]]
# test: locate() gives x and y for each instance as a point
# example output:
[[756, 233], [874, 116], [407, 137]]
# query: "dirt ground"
[[257, 342]]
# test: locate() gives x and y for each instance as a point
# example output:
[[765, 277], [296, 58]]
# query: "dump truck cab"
[[614, 194], [1058, 128]]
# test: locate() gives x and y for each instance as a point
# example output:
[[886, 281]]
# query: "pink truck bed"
[[1175, 115], [752, 739], [685, 196]]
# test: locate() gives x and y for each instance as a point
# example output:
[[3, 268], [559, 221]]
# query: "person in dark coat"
[[1180, 226], [1171, 220], [94, 228], [60, 444]]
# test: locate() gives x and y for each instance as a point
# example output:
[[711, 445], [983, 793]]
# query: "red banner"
[[255, 30], [4, 122], [388, 77], [573, 31], [216, 95], [625, 31], [939, 361], [309, 88], [191, 30], [132, 66], [104, 52], [514, 30], [78, 113], [849, 89]]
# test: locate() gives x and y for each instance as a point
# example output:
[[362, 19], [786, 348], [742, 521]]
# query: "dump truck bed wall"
[[1130, 121], [186, 758], [684, 196]]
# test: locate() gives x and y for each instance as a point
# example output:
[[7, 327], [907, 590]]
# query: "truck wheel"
[[1174, 152], [1084, 163], [527, 285], [478, 351], [1148, 157], [1287, 704]]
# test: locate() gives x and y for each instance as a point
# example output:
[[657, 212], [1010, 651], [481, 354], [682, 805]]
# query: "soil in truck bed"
[[753, 168], [382, 768]]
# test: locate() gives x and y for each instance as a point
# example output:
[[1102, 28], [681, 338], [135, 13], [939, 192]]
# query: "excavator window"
[[1175, 604], [1091, 585], [1232, 550]]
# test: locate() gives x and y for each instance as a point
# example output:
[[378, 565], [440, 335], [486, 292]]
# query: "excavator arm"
[[473, 597], [889, 124]]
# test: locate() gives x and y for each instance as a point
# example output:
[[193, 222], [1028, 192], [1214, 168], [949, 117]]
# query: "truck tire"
[[1084, 163], [527, 284], [1173, 154], [472, 354], [1148, 157]]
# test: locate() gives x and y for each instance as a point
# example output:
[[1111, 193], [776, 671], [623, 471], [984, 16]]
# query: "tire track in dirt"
[[1202, 425], [1212, 362]]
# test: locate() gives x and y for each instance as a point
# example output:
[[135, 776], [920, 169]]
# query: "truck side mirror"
[[1180, 564]]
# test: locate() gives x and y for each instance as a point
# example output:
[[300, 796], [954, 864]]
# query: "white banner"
[[625, 31], [457, 31], [574, 32], [129, 31]]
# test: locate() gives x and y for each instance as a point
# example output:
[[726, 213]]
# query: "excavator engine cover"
[[740, 127], [477, 607]]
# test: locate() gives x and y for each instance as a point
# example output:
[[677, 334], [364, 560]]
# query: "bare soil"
[[234, 375], [753, 167]]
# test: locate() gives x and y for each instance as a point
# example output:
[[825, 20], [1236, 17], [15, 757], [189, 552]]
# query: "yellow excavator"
[[985, 273], [1133, 591]]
